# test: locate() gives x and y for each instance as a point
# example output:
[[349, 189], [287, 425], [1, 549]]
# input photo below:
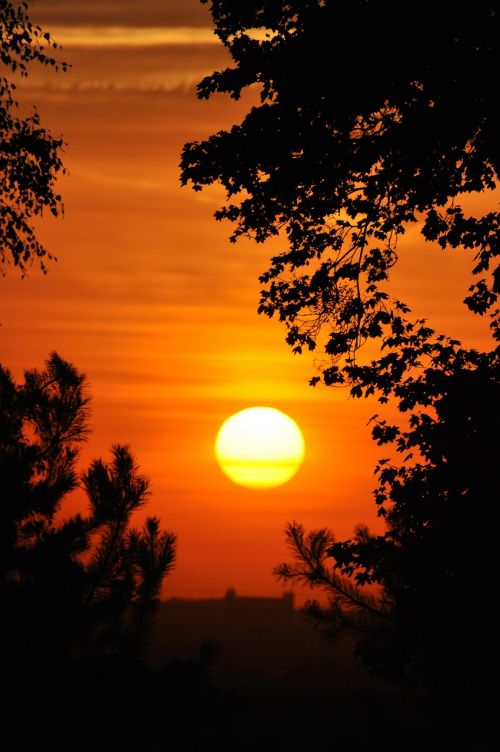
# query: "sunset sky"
[[150, 300]]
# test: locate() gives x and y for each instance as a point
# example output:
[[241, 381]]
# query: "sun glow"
[[259, 447]]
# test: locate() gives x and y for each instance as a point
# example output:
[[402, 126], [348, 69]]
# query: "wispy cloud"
[[143, 65], [124, 36], [147, 13]]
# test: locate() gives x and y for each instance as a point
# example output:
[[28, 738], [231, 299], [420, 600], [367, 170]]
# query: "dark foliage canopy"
[[77, 587], [368, 123], [416, 595], [30, 156]]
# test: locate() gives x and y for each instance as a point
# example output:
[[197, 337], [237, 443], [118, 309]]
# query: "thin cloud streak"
[[139, 64], [123, 36], [130, 13]]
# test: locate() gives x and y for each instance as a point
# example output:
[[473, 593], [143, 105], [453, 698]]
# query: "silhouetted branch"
[[312, 553]]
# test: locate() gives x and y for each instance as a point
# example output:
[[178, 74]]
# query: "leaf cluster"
[[30, 156], [367, 125]]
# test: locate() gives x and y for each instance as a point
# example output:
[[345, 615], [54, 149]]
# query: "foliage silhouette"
[[81, 587], [413, 593], [353, 143], [369, 125], [29, 155], [418, 597]]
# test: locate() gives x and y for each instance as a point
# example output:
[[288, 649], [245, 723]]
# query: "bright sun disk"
[[259, 447]]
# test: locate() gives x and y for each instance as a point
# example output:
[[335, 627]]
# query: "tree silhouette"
[[74, 588], [368, 125], [29, 155], [414, 594]]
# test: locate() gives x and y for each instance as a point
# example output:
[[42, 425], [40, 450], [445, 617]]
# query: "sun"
[[259, 447]]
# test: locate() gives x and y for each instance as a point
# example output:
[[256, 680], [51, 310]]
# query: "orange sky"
[[151, 301]]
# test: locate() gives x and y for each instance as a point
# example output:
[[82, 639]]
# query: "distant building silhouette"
[[262, 604]]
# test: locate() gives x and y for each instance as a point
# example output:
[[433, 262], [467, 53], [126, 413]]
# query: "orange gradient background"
[[150, 300]]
